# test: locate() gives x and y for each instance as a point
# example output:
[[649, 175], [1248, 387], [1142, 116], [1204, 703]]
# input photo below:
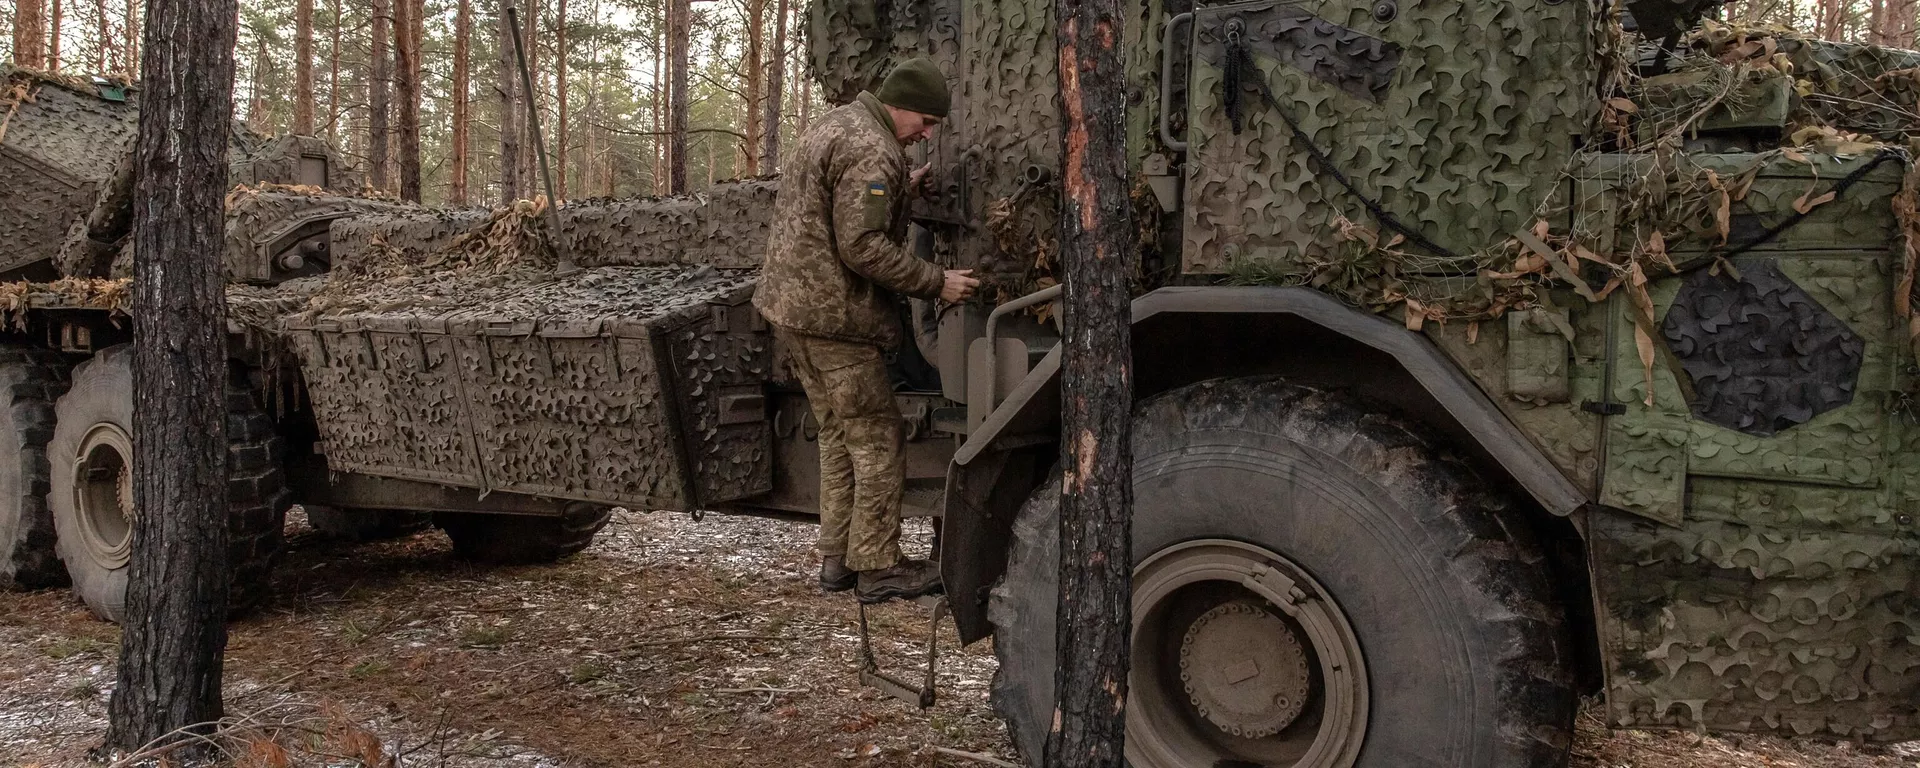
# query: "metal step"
[[872, 675]]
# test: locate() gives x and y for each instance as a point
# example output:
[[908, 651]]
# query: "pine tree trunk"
[[53, 36], [462, 49], [657, 143], [29, 34], [678, 34], [530, 101], [406, 67], [334, 113], [303, 67], [1096, 393], [776, 89], [257, 101], [379, 77], [176, 629], [560, 101], [510, 116], [130, 47], [103, 60], [806, 105], [756, 22]]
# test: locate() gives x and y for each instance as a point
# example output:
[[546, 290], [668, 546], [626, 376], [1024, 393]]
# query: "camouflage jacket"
[[838, 255]]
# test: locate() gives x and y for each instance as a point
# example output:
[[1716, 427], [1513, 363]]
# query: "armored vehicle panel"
[[59, 147], [637, 386]]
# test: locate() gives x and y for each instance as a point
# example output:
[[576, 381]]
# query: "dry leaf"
[[1416, 314], [1473, 332], [1622, 104], [1645, 344], [1803, 204]]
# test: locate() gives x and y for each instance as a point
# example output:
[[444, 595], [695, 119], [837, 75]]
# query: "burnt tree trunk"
[[776, 88], [303, 67], [462, 51], [1096, 435], [379, 77], [30, 34], [176, 630], [406, 67], [678, 19], [510, 115]]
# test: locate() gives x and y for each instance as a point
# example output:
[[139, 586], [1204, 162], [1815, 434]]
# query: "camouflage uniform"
[[836, 262]]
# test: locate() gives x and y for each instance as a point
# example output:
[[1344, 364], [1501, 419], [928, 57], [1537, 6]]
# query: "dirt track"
[[669, 643]]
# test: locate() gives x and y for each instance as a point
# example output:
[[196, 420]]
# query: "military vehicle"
[[1487, 355]]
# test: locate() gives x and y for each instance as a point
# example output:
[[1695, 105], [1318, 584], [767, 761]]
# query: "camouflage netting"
[[264, 217], [725, 226], [1457, 120], [62, 143]]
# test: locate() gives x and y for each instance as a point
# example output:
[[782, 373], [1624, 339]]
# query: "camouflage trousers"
[[862, 436]]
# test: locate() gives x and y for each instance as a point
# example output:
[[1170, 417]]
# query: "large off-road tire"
[[523, 539], [1316, 585], [30, 380], [92, 496], [352, 524]]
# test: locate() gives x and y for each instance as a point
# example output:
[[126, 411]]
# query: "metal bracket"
[[870, 673]]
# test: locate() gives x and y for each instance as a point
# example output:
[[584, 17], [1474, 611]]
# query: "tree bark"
[[131, 32], [406, 66], [656, 143], [29, 34], [1096, 504], [462, 49], [303, 67], [333, 78], [103, 61], [806, 105], [526, 163], [53, 36], [756, 23], [776, 88], [678, 34], [510, 116], [176, 630], [379, 77], [257, 100], [561, 131]]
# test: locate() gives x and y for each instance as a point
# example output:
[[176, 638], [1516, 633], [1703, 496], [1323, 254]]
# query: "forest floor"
[[669, 643]]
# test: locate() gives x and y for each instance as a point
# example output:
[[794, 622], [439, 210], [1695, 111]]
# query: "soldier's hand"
[[917, 179], [959, 286]]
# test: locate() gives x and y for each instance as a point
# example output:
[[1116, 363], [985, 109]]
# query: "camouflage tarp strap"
[[1838, 191], [1240, 69]]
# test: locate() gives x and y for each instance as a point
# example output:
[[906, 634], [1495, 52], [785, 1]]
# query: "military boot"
[[906, 580], [835, 576]]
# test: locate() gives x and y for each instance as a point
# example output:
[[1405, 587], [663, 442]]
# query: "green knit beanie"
[[916, 86]]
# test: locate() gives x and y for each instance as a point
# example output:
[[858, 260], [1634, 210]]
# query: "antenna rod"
[[539, 144]]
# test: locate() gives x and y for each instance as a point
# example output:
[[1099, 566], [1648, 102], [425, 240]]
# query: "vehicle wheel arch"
[[1185, 335]]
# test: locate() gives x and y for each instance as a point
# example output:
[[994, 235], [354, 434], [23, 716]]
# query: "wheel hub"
[[1244, 670], [103, 494]]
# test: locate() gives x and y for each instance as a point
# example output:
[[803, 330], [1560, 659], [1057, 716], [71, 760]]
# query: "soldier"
[[836, 262]]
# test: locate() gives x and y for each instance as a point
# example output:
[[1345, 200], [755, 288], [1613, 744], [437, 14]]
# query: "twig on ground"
[[760, 689], [974, 756]]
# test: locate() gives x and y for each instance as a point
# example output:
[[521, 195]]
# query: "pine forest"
[[426, 97]]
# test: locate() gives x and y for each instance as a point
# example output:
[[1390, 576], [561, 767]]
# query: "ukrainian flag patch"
[[877, 189]]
